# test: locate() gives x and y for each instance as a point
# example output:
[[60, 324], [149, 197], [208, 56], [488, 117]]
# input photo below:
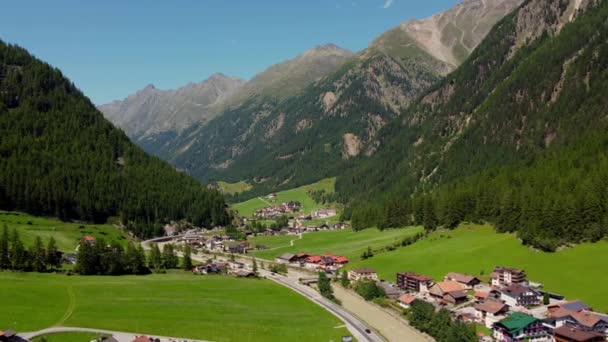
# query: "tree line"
[[439, 324], [38, 258], [60, 157], [100, 258]]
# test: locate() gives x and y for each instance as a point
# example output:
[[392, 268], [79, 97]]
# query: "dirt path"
[[390, 327], [71, 306]]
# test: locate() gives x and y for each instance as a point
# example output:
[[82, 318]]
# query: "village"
[[510, 306]]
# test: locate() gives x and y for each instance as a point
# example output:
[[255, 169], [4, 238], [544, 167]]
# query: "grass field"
[[300, 194], [233, 188], [217, 308], [67, 337], [578, 273], [66, 234], [342, 242]]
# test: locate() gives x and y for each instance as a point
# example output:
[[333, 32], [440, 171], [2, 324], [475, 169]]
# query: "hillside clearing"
[[300, 194], [234, 188], [67, 234]]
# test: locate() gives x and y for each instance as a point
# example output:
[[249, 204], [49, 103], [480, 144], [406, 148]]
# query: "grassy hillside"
[[300, 194], [215, 308], [576, 272], [233, 188], [342, 242], [66, 234]]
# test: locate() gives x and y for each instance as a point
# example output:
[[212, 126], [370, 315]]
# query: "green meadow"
[[233, 188], [579, 272], [345, 242], [179, 304], [67, 234], [300, 194]]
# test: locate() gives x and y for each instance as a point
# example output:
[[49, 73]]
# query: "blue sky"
[[112, 48]]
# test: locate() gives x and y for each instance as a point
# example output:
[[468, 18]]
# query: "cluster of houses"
[[216, 243], [236, 268], [275, 211], [326, 262], [514, 308], [296, 227]]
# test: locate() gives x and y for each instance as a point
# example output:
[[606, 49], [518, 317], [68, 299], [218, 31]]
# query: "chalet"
[[301, 257], [455, 297], [406, 300], [519, 295], [89, 239], [521, 327], [490, 312], [413, 282], [312, 261], [467, 281], [505, 276], [362, 274], [583, 319], [568, 333], [286, 258], [574, 305], [324, 213], [443, 288], [341, 225], [481, 296], [337, 259], [391, 291]]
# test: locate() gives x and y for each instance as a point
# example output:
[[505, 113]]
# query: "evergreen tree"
[[254, 266], [170, 259], [37, 256], [324, 286], [86, 261], [5, 262], [156, 260], [187, 258], [52, 258], [17, 252], [344, 281]]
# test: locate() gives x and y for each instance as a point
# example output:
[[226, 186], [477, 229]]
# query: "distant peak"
[[150, 87]]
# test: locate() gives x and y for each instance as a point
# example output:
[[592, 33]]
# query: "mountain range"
[[310, 117]]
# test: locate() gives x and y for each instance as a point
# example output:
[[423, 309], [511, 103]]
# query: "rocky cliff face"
[[335, 122], [152, 111]]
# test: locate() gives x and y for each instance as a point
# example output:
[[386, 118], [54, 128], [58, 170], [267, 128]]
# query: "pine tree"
[[155, 261], [344, 281], [37, 256], [187, 262], [254, 266], [52, 254], [17, 252], [170, 259], [5, 262]]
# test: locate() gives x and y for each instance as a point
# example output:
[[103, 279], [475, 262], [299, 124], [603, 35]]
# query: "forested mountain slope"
[[515, 136], [60, 157], [334, 123]]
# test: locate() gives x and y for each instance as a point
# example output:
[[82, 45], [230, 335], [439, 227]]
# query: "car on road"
[[368, 331]]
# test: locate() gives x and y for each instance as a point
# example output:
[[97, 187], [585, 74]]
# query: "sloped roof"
[[456, 294], [576, 334], [516, 321], [407, 299], [516, 290], [491, 306], [449, 286], [364, 271], [481, 294], [575, 305], [461, 278], [586, 318], [286, 256]]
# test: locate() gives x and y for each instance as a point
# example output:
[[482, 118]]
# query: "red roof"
[[407, 299], [88, 238], [141, 339], [481, 294], [314, 259], [337, 258]]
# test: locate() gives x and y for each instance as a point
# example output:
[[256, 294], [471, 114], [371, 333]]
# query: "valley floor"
[[218, 308]]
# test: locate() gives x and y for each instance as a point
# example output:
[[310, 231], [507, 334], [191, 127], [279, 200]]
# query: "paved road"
[[354, 325], [121, 336]]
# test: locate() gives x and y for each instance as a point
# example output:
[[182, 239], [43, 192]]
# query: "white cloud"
[[388, 3]]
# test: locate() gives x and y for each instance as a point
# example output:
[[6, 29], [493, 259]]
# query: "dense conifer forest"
[[515, 139], [60, 157]]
